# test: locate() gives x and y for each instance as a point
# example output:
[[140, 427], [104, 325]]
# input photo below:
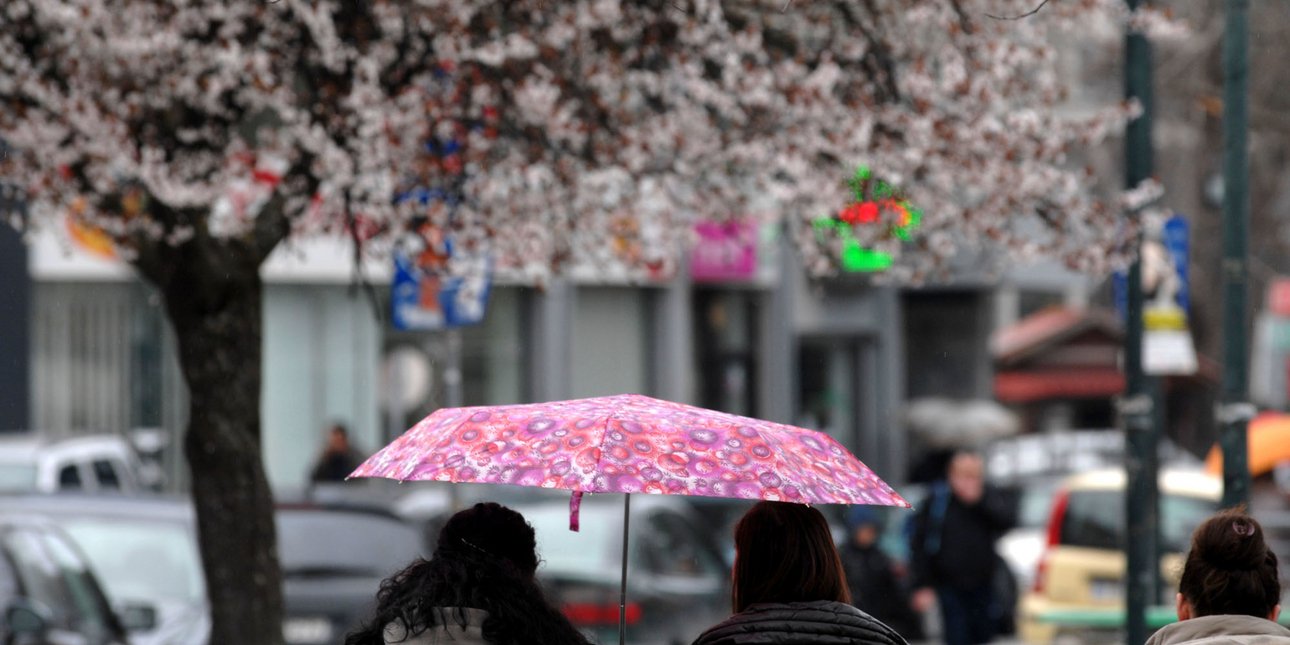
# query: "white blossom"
[[587, 132]]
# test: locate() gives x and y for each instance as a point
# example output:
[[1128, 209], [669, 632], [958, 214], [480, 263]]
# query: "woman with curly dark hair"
[[1230, 591], [478, 588]]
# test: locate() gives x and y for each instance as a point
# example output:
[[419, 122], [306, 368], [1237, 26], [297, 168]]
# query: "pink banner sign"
[[724, 251]]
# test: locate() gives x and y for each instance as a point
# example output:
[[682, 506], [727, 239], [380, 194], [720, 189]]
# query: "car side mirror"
[[26, 618], [138, 617]]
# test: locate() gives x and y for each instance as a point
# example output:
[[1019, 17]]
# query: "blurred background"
[[1019, 361]]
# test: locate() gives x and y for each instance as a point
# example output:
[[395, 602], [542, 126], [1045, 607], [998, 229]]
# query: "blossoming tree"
[[198, 135]]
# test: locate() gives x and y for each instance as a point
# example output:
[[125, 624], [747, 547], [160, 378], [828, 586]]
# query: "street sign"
[[1167, 347], [425, 296]]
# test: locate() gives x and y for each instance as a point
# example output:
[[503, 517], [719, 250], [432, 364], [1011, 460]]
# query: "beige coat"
[[447, 632], [1222, 630]]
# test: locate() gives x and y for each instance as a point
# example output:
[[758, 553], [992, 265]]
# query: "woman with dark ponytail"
[[1229, 592], [478, 588]]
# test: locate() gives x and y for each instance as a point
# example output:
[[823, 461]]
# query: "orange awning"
[[1268, 439]]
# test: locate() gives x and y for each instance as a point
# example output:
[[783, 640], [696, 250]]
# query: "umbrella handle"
[[575, 508], [622, 597]]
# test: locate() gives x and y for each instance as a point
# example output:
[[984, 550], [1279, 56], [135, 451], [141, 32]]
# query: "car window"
[[106, 473], [17, 476], [669, 546], [42, 578], [332, 541], [141, 560], [594, 548], [9, 588], [1035, 503], [93, 613], [1095, 519], [69, 477]]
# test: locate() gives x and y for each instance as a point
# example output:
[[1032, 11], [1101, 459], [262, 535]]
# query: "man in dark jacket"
[[338, 459], [952, 554]]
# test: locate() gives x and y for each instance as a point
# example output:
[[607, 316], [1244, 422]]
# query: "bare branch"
[[1024, 15]]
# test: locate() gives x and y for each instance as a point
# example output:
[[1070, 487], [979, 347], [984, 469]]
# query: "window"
[[141, 560], [1095, 519], [671, 547], [106, 473], [69, 477]]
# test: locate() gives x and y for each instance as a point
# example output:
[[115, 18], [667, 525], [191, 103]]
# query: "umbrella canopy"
[[630, 444], [1268, 439]]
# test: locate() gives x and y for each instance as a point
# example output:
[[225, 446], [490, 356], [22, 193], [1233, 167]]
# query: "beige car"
[[1079, 585]]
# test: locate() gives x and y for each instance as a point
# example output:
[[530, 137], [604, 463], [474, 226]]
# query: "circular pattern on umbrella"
[[630, 444]]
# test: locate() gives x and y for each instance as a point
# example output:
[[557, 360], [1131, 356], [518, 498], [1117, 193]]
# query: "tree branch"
[[1024, 15]]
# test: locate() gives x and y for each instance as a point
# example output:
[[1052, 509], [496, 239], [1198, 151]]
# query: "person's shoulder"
[[802, 622], [1222, 630]]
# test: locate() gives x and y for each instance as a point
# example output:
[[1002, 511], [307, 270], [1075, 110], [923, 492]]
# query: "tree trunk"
[[213, 296]]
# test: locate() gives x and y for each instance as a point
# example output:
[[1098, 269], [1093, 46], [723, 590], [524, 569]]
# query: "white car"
[[92, 463]]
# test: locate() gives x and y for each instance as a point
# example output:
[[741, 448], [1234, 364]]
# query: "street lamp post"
[[1140, 407], [1235, 411]]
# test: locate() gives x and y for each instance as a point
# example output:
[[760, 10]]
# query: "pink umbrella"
[[629, 444]]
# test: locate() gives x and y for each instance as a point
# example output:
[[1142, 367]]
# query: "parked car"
[[93, 463], [48, 593], [144, 551], [1083, 564], [677, 582], [334, 557]]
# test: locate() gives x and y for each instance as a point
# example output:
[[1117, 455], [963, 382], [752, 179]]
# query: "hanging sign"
[[873, 199], [425, 296]]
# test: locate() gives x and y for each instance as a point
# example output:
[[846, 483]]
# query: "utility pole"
[[1139, 408], [1235, 411]]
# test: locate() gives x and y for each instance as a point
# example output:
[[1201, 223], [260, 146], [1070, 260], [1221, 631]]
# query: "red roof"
[[1047, 328]]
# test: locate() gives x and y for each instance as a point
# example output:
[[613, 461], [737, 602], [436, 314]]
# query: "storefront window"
[[725, 343]]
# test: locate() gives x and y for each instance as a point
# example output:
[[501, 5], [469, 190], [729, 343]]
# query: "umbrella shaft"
[[622, 596]]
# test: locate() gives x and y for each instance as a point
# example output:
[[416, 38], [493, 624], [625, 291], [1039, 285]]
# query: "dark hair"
[[485, 559], [1230, 569], [785, 553]]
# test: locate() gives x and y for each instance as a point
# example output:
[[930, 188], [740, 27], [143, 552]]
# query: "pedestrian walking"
[[952, 551], [1230, 592], [338, 458], [478, 588], [878, 585], [788, 585]]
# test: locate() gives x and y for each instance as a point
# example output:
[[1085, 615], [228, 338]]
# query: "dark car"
[[48, 593], [143, 549], [334, 557], [677, 582]]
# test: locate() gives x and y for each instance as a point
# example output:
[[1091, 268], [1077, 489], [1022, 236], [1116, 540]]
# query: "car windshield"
[[581, 553], [141, 560], [17, 476], [1095, 519], [326, 542], [1035, 503]]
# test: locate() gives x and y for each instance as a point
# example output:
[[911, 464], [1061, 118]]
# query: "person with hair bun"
[[478, 588], [788, 586], [1230, 591]]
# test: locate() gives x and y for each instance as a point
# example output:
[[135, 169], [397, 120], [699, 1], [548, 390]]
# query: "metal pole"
[[622, 592], [1235, 411], [1138, 409], [453, 395]]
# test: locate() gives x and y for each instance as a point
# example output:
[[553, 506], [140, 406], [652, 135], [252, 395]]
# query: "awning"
[[1085, 383]]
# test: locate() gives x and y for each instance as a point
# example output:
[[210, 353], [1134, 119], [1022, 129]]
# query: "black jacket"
[[820, 622], [952, 543], [877, 589]]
